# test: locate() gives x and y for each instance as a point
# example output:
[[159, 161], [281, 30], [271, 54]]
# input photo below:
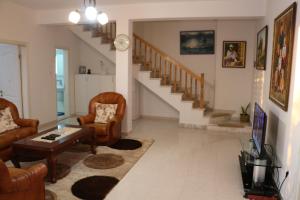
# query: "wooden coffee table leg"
[[93, 144], [52, 168]]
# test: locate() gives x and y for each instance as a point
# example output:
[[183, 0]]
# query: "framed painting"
[[234, 54], [282, 55], [261, 48], [197, 42]]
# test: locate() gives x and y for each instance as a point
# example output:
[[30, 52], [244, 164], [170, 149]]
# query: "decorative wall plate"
[[122, 42]]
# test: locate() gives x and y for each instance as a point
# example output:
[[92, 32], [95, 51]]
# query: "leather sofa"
[[20, 184], [109, 133], [26, 128]]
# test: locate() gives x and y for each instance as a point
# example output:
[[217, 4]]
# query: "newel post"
[[202, 101]]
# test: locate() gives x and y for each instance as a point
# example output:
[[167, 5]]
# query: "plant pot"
[[244, 117]]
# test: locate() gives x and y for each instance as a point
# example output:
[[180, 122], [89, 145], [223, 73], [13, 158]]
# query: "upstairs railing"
[[107, 31], [171, 72]]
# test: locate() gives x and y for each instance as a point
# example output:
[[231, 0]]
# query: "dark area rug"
[[94, 187], [126, 144], [49, 195], [104, 161]]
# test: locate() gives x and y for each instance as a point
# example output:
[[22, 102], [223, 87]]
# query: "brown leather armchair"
[[26, 128], [110, 133], [20, 184]]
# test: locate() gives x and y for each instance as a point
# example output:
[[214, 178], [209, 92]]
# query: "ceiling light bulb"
[[74, 17], [102, 18], [91, 13]]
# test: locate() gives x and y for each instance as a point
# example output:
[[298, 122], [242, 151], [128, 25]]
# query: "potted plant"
[[244, 116]]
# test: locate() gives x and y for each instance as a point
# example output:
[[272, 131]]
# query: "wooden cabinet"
[[89, 85]]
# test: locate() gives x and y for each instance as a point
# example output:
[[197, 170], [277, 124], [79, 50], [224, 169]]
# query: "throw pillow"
[[6, 121], [105, 112]]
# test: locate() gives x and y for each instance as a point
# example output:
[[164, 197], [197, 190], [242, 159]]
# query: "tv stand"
[[247, 163], [269, 188]]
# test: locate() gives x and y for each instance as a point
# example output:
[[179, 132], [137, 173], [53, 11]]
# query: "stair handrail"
[[195, 79], [169, 58]]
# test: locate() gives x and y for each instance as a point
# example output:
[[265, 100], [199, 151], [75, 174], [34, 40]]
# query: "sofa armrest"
[[27, 123], [115, 120], [38, 171], [32, 175], [23, 180], [87, 119]]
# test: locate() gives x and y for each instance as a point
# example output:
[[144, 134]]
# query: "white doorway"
[[10, 75], [62, 80]]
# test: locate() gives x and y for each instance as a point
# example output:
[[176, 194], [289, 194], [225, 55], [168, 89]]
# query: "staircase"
[[169, 79], [172, 81], [99, 37]]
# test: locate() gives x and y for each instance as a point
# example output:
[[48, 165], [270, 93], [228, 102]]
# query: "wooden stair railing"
[[107, 32], [170, 71]]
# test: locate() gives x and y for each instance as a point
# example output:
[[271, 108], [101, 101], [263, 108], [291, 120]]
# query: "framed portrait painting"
[[282, 54], [261, 48], [197, 42], [234, 54]]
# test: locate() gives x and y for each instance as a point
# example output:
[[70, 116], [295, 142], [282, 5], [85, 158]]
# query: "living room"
[[171, 131]]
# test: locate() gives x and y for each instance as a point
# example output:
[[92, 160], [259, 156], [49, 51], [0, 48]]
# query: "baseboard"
[[159, 117], [202, 127]]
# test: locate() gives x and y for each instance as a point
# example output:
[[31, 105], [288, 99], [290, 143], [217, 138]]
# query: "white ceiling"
[[57, 4]]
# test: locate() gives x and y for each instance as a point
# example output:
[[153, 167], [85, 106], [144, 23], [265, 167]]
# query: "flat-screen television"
[[259, 129]]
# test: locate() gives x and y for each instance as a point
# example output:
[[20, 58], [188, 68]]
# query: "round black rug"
[[103, 161], [126, 144], [93, 187]]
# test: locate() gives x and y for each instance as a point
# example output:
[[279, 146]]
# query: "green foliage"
[[245, 110]]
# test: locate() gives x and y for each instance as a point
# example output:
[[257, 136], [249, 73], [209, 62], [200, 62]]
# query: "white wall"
[[283, 127], [152, 105], [238, 82], [41, 42], [166, 36], [234, 86], [94, 60]]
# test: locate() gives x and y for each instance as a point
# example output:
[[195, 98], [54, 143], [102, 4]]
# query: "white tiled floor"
[[183, 164]]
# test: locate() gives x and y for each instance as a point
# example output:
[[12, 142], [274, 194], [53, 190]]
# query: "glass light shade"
[[102, 18], [74, 17], [91, 13]]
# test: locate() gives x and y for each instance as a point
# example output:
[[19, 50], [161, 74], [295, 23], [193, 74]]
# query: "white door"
[[10, 75]]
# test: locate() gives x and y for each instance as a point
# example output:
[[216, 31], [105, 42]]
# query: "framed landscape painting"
[[234, 54], [261, 48], [197, 42], [283, 40]]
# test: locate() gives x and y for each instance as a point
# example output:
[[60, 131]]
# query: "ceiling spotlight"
[[74, 17], [102, 18]]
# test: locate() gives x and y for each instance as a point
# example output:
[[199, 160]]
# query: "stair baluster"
[[150, 61], [202, 102], [186, 90], [188, 80], [155, 66], [175, 79], [160, 67], [180, 77], [191, 84], [145, 57], [165, 73]]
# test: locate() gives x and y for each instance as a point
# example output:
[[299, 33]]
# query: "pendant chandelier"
[[90, 12]]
